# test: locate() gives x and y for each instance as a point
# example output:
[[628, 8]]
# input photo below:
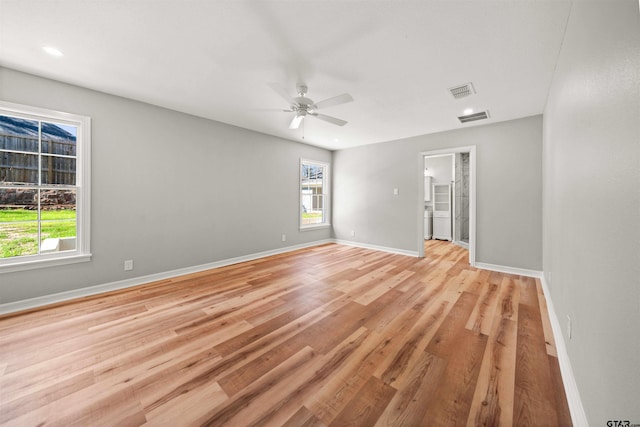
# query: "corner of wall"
[[578, 415]]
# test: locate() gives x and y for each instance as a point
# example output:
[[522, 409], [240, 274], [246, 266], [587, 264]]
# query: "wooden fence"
[[20, 161]]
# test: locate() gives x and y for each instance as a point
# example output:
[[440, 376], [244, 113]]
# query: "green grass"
[[61, 214], [12, 215], [19, 230], [18, 247], [311, 218], [306, 215]]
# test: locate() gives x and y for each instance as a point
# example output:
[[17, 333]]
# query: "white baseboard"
[[377, 248], [462, 244], [578, 416], [509, 270], [27, 304]]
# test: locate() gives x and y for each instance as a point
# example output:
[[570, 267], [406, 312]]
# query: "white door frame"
[[472, 197]]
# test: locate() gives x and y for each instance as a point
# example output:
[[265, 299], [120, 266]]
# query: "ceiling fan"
[[303, 106]]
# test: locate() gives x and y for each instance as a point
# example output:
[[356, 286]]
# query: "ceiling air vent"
[[473, 117], [462, 91]]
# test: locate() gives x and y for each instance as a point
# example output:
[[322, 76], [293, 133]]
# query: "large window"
[[44, 187], [314, 194]]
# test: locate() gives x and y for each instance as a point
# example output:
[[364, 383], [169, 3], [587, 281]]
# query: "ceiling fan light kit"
[[304, 106]]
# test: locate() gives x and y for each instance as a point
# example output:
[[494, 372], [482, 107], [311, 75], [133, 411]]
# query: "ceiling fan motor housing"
[[303, 103]]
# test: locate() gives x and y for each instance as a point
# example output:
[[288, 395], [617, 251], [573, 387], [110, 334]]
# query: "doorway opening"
[[461, 192], [447, 201]]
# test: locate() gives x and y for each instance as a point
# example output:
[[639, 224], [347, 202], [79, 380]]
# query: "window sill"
[[313, 227], [43, 263]]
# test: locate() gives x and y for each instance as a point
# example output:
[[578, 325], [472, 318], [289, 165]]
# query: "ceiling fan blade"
[[336, 100], [296, 122], [330, 119], [282, 92], [268, 110]]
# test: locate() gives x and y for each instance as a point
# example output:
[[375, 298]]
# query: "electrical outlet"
[[569, 326], [128, 265], [284, 237], [353, 233], [396, 191]]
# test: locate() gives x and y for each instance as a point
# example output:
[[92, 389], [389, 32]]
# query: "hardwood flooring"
[[326, 336]]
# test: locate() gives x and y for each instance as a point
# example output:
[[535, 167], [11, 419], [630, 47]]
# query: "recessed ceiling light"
[[52, 51], [468, 111]]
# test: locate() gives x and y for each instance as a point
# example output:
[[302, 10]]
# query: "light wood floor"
[[331, 335]]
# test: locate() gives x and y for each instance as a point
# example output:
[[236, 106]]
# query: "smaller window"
[[314, 194]]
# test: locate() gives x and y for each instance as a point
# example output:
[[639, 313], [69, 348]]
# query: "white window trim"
[[326, 201], [83, 190]]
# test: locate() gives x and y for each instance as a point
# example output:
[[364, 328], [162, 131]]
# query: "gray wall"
[[169, 190], [509, 191], [592, 204]]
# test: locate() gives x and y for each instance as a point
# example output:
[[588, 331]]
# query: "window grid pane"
[[18, 238], [18, 168], [18, 134]]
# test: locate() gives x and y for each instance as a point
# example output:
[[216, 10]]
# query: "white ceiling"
[[214, 58]]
